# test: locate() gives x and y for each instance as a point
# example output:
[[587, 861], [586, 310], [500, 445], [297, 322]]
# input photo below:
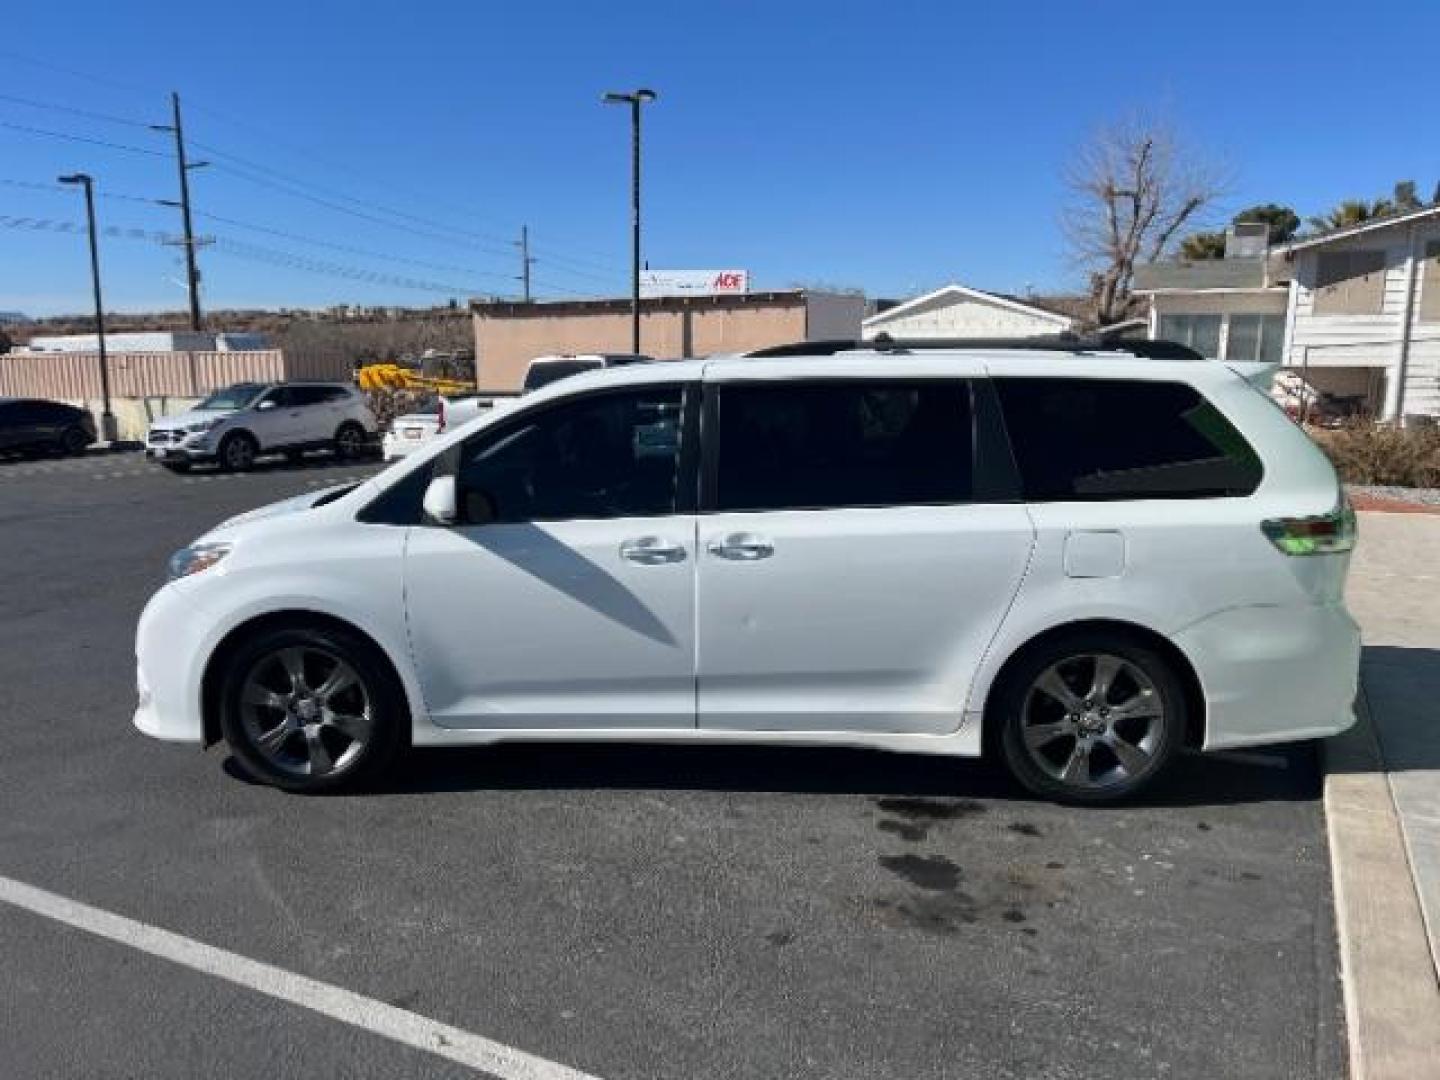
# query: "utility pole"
[[109, 430], [635, 100], [192, 275], [526, 260]]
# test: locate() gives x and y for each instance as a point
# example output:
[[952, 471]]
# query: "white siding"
[[965, 318], [1371, 340]]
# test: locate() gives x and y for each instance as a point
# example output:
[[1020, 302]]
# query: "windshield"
[[543, 374], [232, 397]]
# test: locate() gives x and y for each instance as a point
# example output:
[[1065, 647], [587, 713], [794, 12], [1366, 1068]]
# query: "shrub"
[[1366, 453]]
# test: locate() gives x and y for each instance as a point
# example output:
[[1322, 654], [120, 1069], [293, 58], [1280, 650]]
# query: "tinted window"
[[543, 374], [603, 456], [308, 395], [1097, 439], [797, 445]]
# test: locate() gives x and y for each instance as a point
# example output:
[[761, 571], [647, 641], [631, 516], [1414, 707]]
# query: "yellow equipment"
[[395, 377]]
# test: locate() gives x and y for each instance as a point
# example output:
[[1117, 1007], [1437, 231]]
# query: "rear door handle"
[[652, 550], [742, 547]]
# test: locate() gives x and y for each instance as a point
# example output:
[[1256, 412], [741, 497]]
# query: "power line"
[[89, 115], [241, 250], [81, 139], [302, 239]]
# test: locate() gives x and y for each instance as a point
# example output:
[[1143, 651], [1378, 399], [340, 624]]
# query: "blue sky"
[[889, 147]]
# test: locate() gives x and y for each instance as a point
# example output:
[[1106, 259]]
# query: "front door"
[[565, 598], [852, 575]]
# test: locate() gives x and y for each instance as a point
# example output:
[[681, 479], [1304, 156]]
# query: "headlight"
[[203, 425], [196, 557]]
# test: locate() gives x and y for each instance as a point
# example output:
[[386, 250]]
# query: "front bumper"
[[1275, 674], [166, 446], [169, 665]]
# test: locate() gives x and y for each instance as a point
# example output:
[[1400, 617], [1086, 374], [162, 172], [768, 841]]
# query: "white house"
[[1355, 311], [959, 312], [1364, 307]]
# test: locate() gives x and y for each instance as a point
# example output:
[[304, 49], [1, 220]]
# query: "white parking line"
[[368, 1014]]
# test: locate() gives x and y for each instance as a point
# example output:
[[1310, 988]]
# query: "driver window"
[[604, 456]]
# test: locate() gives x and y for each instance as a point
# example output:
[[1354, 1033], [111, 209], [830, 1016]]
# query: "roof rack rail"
[[1065, 342]]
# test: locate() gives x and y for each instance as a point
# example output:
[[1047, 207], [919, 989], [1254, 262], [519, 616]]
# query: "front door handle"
[[652, 550], [742, 547]]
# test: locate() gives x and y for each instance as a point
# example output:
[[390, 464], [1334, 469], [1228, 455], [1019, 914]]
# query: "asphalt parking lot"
[[628, 912]]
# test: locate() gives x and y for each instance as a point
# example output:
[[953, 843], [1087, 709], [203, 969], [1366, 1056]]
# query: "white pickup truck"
[[413, 430]]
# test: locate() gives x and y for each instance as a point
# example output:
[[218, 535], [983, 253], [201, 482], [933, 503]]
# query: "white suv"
[[1077, 560], [234, 426]]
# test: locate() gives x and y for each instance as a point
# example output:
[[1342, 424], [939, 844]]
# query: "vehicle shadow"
[[1401, 687], [1279, 774], [275, 464]]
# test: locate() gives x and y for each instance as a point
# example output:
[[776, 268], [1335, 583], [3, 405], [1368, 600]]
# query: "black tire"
[[237, 452], [1068, 743], [245, 727], [178, 466], [349, 443], [74, 440]]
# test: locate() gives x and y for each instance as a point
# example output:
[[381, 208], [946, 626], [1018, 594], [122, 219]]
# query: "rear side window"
[[806, 445], [301, 396], [1103, 439]]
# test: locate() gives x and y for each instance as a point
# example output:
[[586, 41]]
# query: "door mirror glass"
[[439, 501]]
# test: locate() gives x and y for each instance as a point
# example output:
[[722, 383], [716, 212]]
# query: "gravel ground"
[[1428, 496]]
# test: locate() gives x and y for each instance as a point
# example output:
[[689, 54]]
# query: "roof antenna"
[[883, 342]]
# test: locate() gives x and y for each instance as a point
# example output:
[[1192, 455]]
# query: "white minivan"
[[1077, 559]]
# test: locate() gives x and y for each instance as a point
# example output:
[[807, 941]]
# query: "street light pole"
[[635, 100], [108, 429]]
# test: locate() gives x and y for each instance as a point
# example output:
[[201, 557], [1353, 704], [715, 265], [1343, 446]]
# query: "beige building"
[[508, 334]]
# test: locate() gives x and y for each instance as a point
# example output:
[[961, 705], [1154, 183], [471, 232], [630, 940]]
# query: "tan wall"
[[1270, 302], [76, 376], [505, 344]]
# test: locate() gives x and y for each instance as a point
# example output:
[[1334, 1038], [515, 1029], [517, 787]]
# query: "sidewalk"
[[1383, 804]]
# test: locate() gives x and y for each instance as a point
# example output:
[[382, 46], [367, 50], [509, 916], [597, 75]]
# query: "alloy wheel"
[[306, 711], [239, 454], [1093, 721]]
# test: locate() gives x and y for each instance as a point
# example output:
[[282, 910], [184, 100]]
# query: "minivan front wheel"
[[311, 709], [1090, 718]]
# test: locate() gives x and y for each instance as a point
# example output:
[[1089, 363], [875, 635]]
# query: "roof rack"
[[1064, 342]]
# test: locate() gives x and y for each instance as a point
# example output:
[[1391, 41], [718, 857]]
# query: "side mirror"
[[439, 502], [268, 403]]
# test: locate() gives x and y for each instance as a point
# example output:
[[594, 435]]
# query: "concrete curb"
[[1392, 999]]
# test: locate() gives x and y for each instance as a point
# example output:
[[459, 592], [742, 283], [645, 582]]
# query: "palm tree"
[[1351, 212]]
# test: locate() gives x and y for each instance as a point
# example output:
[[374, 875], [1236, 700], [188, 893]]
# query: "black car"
[[29, 425]]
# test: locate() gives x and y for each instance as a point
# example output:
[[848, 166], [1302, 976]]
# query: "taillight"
[[1322, 534]]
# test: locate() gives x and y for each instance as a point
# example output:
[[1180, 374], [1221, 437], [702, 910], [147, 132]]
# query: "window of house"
[[805, 445], [1349, 283], [1201, 331], [1093, 440], [1430, 283], [1255, 338]]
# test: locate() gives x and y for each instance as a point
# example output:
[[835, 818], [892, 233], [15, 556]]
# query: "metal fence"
[[76, 376]]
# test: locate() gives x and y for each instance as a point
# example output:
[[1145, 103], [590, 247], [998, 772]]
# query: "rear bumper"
[[1275, 674]]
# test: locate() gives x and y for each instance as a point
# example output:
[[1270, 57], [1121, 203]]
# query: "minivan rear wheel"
[[1090, 718], [312, 708]]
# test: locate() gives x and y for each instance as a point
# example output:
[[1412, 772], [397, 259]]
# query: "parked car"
[[1077, 560], [413, 430], [33, 425], [234, 426], [544, 370]]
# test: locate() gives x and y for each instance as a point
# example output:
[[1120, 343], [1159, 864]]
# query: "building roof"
[[1346, 233], [962, 292], [1201, 274], [598, 305]]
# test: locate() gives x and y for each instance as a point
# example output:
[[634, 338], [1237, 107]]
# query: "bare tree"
[[1133, 188]]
